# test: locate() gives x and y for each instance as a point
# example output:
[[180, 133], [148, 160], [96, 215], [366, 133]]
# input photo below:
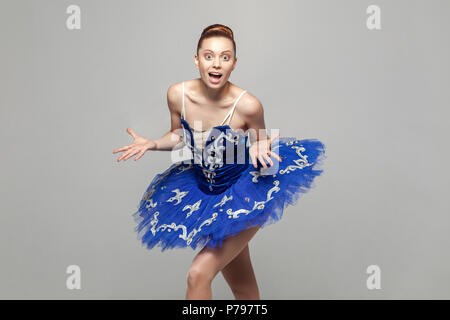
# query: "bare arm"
[[253, 115], [169, 141], [260, 149], [173, 137]]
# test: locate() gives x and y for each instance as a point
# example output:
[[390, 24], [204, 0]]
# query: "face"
[[216, 55]]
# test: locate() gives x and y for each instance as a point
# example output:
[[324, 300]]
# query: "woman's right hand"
[[140, 145]]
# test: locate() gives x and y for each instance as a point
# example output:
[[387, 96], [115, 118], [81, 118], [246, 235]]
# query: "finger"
[[122, 156], [276, 135], [139, 155], [122, 149], [125, 156], [130, 131], [262, 161], [132, 153], [275, 155], [268, 159], [265, 155]]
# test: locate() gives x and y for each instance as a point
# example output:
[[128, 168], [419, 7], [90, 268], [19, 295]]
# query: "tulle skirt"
[[175, 213]]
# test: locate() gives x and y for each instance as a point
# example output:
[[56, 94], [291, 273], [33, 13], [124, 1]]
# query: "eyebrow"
[[214, 52]]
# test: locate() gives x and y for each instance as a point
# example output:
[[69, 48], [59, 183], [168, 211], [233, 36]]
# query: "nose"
[[217, 62]]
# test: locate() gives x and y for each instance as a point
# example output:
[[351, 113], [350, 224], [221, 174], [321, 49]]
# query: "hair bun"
[[218, 27]]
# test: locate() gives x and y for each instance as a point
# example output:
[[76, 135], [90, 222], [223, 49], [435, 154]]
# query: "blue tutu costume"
[[217, 192]]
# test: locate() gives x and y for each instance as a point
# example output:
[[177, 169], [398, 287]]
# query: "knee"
[[198, 276]]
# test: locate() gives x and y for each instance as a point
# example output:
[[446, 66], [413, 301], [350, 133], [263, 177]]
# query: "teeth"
[[216, 74]]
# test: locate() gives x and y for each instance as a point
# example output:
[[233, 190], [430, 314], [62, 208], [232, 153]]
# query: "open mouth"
[[215, 75]]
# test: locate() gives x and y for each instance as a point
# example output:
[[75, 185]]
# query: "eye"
[[227, 57], [208, 55]]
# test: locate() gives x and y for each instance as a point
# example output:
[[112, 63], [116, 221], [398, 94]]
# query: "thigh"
[[210, 261]]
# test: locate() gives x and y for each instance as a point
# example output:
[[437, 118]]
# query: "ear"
[[196, 61], [234, 64]]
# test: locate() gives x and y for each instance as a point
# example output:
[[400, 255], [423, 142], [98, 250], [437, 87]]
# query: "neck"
[[214, 94]]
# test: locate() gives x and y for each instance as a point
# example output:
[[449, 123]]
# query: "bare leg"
[[209, 261], [241, 278]]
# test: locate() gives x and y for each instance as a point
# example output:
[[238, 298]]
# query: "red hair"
[[216, 30]]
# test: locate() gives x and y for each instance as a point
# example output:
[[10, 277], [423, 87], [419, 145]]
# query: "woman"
[[214, 199]]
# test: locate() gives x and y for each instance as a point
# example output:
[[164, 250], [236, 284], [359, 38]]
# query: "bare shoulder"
[[174, 95], [249, 105]]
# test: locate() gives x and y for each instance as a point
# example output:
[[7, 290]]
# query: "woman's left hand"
[[260, 150]]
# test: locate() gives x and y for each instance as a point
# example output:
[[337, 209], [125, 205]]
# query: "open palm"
[[139, 146]]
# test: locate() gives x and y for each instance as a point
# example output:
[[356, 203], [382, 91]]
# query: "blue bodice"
[[221, 162]]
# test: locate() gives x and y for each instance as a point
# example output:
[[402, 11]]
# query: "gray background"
[[377, 99]]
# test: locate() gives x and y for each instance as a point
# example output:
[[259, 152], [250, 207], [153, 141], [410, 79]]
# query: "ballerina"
[[236, 181]]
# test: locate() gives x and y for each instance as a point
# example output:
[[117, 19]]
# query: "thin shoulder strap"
[[183, 112], [230, 114]]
